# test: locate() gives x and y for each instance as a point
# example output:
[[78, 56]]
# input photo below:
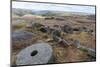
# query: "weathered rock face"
[[40, 53], [20, 35]]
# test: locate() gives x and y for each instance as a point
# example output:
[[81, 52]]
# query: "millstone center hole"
[[34, 53]]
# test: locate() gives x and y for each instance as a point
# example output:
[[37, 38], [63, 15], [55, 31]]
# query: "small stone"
[[91, 52], [77, 43], [83, 29], [76, 29], [46, 29], [36, 25], [56, 34], [49, 40], [67, 29]]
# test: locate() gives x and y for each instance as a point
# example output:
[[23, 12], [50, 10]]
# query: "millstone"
[[20, 35], [90, 51], [40, 53]]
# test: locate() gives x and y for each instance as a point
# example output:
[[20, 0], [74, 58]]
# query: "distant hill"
[[22, 12]]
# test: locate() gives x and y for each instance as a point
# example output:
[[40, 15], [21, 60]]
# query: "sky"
[[55, 7]]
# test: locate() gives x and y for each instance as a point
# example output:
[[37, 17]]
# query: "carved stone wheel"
[[21, 35], [40, 53]]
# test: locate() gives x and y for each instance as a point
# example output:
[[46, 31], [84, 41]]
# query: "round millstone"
[[20, 35], [40, 53]]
